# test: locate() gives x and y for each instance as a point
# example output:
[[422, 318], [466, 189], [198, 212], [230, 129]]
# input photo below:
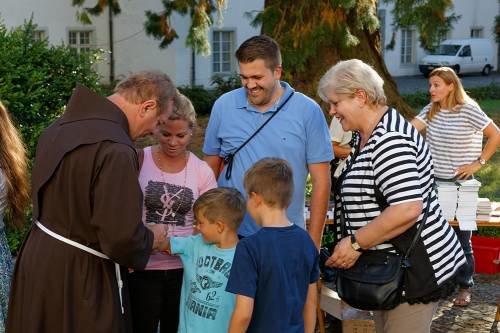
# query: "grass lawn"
[[489, 176], [492, 109]]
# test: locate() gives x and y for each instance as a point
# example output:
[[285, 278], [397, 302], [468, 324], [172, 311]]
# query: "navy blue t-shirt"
[[275, 267]]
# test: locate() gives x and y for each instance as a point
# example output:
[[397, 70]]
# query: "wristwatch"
[[481, 161], [355, 245]]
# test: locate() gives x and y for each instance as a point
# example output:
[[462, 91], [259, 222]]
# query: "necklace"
[[167, 198]]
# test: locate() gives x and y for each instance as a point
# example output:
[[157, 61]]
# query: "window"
[[465, 51], [223, 45], [80, 40], [40, 35], [476, 33], [407, 41]]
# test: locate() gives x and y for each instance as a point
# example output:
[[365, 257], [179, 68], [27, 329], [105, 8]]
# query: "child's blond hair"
[[221, 204], [272, 178]]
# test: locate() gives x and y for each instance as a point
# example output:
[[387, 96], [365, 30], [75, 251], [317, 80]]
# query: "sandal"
[[463, 297]]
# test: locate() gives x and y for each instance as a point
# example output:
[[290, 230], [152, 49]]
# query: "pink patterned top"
[[169, 199]]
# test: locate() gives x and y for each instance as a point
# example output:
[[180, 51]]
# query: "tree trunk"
[[368, 50]]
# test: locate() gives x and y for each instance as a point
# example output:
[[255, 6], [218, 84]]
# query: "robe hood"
[[89, 118]]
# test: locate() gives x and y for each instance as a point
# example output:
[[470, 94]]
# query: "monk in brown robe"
[[85, 190]]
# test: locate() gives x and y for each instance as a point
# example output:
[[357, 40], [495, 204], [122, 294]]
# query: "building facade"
[[134, 50], [477, 20]]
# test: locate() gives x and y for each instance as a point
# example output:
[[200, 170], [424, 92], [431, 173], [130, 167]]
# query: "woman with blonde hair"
[[171, 178], [14, 196], [455, 125]]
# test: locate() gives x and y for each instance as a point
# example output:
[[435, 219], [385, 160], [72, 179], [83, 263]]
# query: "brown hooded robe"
[[85, 188]]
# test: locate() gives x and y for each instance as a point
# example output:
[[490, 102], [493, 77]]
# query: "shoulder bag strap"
[[228, 160], [340, 181], [420, 227]]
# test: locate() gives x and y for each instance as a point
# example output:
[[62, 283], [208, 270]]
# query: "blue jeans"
[[465, 273]]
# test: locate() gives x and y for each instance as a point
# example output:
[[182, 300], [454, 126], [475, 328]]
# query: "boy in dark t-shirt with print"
[[275, 270]]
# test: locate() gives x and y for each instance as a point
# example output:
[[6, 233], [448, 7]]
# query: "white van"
[[471, 55]]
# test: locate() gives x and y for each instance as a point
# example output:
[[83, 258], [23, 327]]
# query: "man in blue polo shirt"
[[298, 133]]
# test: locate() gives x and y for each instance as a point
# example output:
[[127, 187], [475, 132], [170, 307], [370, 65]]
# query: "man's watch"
[[355, 245], [481, 161]]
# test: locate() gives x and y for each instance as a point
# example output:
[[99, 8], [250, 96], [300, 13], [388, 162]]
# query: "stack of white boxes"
[[459, 201], [484, 209], [447, 197], [467, 202]]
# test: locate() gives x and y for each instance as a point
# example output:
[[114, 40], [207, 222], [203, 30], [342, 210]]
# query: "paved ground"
[[478, 317], [410, 84]]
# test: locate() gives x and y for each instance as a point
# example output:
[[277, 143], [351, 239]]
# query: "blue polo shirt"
[[297, 134]]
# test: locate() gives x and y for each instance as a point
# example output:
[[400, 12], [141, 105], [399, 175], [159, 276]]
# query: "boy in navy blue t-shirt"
[[275, 270]]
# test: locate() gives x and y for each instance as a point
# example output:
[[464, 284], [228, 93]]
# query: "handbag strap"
[[420, 227], [381, 201], [228, 159]]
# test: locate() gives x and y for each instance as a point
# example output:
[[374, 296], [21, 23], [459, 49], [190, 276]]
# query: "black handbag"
[[377, 279]]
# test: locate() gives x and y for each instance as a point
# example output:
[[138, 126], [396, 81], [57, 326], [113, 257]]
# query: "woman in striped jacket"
[[393, 158]]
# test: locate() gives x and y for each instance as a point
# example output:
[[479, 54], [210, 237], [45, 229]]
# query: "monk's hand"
[[160, 236]]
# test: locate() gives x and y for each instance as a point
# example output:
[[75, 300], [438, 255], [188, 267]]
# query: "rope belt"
[[91, 251]]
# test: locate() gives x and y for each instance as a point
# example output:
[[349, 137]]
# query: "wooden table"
[[494, 221]]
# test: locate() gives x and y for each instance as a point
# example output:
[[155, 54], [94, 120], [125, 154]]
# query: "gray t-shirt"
[[454, 137]]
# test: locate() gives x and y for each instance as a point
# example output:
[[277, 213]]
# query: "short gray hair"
[[346, 77], [142, 86]]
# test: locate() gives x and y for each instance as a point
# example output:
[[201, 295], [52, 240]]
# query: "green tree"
[[83, 15], [158, 25], [344, 29], [328, 30]]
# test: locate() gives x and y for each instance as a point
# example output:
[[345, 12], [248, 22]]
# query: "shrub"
[[419, 99], [36, 81], [223, 84], [201, 98]]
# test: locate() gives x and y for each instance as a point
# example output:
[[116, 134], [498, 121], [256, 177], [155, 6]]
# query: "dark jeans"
[[155, 298], [465, 273]]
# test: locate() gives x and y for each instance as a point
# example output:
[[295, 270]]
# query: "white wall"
[[134, 50], [478, 13], [56, 17], [233, 19]]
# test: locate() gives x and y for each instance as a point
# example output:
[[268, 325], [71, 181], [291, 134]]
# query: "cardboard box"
[[358, 326]]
